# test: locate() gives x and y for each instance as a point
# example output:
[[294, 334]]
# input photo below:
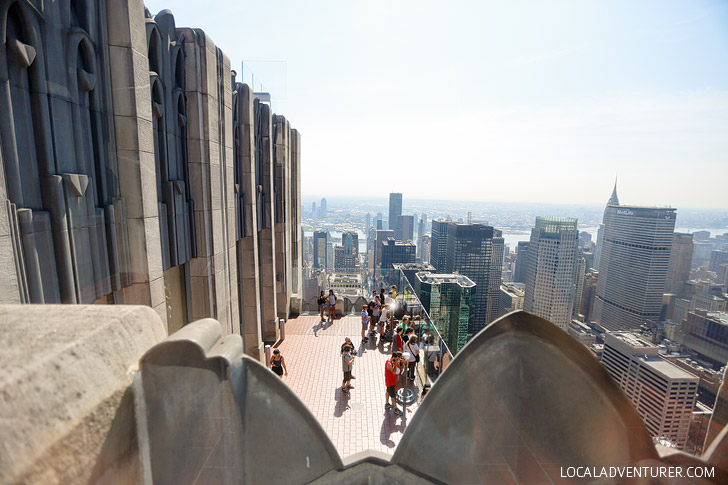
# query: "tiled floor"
[[355, 421]]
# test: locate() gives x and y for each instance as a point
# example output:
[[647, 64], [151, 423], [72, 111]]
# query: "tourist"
[[381, 296], [394, 291], [374, 296], [383, 320], [375, 309], [409, 331], [322, 305], [332, 305], [398, 340], [348, 343], [405, 323], [347, 364], [392, 369], [413, 349], [364, 323], [278, 364]]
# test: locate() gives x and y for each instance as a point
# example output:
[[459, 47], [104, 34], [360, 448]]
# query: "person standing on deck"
[[347, 364], [392, 369], [332, 305]]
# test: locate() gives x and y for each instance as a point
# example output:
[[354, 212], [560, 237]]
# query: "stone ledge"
[[62, 365]]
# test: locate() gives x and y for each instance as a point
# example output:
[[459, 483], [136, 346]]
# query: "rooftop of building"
[[576, 324], [556, 224], [440, 278], [667, 369], [515, 289], [391, 241], [719, 317], [632, 339], [642, 207], [414, 266]]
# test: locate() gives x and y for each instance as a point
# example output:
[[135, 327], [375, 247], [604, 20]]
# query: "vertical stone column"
[[135, 151], [213, 273], [11, 289], [198, 162], [295, 224], [226, 282], [282, 155], [266, 240], [248, 260]]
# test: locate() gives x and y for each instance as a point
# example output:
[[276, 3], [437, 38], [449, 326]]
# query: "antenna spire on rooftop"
[[614, 200]]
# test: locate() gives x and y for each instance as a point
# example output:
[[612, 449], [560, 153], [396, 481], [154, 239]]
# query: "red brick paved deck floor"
[[355, 421]]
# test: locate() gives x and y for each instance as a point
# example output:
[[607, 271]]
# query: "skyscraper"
[[350, 241], [438, 244], [420, 235], [519, 272], [448, 299], [717, 257], [323, 209], [635, 255], [395, 210], [320, 238], [551, 270], [405, 228], [579, 278], [426, 247], [371, 245], [476, 251], [681, 257], [380, 238], [613, 200], [378, 221], [588, 295], [344, 259], [397, 252]]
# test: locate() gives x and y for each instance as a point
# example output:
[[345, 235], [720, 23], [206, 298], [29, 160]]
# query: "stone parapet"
[[67, 409]]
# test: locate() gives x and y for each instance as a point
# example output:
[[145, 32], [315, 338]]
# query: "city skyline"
[[170, 304]]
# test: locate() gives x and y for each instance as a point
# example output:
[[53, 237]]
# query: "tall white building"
[[551, 270], [663, 393], [635, 256]]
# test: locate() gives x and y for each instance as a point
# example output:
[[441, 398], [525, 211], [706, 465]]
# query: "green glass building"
[[449, 300]]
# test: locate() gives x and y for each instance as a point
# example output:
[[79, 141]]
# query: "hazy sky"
[[527, 101]]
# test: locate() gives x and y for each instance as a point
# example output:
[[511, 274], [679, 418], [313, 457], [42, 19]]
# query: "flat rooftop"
[[667, 369], [462, 280], [633, 340]]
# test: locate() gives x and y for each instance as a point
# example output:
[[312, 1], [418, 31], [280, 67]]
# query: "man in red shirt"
[[392, 370]]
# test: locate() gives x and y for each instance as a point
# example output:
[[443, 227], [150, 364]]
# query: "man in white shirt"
[[383, 320]]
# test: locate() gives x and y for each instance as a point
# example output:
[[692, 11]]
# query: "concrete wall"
[[123, 178]]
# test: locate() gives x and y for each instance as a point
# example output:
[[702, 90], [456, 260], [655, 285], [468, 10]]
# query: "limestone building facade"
[[135, 170]]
